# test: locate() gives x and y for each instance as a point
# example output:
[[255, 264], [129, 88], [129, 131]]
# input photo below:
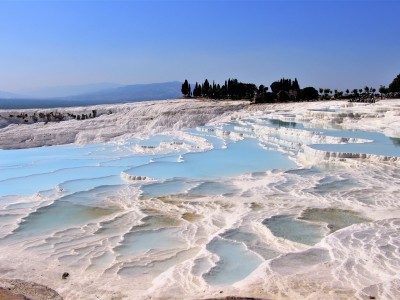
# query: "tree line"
[[53, 116], [231, 89], [283, 90]]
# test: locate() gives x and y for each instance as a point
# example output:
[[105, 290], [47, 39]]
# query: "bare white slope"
[[125, 120], [353, 263], [113, 121]]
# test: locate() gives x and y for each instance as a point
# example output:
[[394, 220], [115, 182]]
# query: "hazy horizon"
[[334, 44]]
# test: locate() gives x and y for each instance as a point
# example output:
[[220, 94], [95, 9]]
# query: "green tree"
[[295, 84], [394, 87], [383, 89], [327, 92], [309, 93], [262, 90], [185, 88], [285, 85], [283, 96], [276, 87], [197, 90], [206, 88]]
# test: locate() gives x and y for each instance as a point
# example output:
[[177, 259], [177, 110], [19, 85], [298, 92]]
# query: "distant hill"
[[123, 94], [7, 95], [135, 92], [67, 90]]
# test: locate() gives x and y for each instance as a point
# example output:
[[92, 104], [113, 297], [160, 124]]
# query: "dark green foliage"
[[236, 90], [197, 90], [270, 98], [259, 98], [206, 88], [309, 93], [185, 88], [266, 98], [283, 96], [276, 87], [283, 90], [262, 89], [394, 87], [284, 85], [383, 89], [232, 89], [295, 84]]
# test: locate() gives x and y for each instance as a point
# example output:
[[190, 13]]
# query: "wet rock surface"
[[15, 289]]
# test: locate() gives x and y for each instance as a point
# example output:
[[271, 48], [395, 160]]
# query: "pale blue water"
[[332, 184], [235, 263], [325, 110], [210, 136], [145, 240], [295, 230], [381, 145], [87, 177], [170, 187], [213, 188], [238, 158], [70, 211], [128, 161], [334, 218], [18, 157], [29, 185], [73, 186], [252, 242], [279, 123], [185, 186]]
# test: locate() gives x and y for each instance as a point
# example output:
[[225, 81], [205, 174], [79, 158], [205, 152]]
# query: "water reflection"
[[395, 141]]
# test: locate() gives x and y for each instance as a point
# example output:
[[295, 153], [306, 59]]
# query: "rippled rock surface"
[[206, 201]]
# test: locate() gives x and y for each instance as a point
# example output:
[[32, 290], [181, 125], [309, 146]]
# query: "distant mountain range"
[[7, 95], [104, 94], [67, 90]]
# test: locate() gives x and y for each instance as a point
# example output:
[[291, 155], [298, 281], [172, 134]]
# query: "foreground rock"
[[112, 121], [235, 298], [15, 289], [122, 121]]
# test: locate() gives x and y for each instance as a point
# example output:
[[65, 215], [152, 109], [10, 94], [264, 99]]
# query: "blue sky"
[[335, 44]]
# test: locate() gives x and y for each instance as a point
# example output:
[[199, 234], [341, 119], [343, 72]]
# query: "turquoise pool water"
[[238, 158], [81, 187]]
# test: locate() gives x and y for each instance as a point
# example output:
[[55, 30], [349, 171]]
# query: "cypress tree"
[[206, 88], [296, 85], [395, 85], [185, 88]]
